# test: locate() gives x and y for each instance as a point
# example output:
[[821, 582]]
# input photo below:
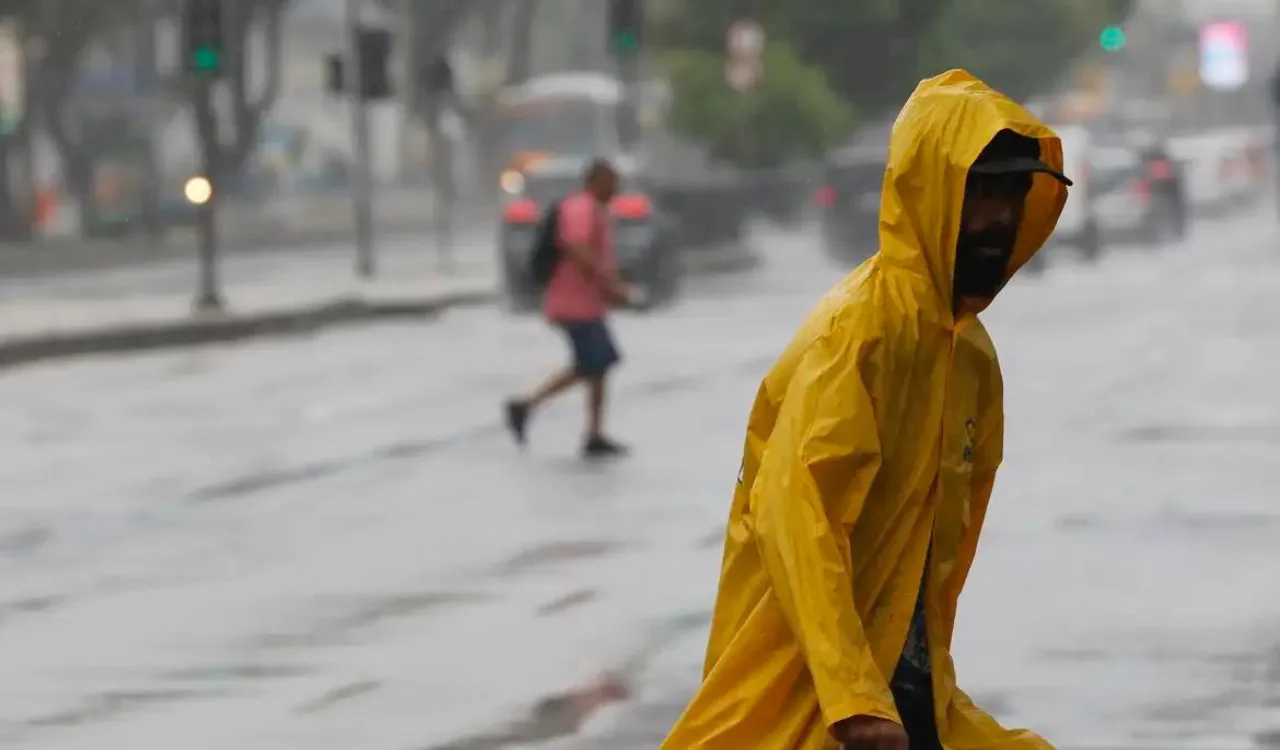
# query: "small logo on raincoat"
[[971, 439]]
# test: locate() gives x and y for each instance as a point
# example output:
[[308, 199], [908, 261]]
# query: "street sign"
[[746, 39], [1224, 55], [744, 47], [744, 75]]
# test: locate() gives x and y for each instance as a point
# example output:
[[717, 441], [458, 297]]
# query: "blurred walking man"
[[871, 454], [583, 287]]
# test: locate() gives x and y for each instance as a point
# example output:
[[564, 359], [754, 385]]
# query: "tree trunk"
[[13, 222]]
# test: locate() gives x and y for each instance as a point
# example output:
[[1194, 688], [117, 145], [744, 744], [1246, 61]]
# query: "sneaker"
[[518, 420], [603, 447]]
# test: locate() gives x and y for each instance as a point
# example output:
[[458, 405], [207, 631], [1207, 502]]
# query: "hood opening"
[[942, 129]]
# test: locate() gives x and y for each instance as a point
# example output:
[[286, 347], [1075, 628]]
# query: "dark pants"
[[922, 730], [591, 344]]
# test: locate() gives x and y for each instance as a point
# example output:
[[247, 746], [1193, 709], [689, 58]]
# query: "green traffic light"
[[626, 42], [206, 58], [1112, 39]]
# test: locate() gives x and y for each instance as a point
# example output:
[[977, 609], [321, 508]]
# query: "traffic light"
[[374, 49], [1112, 39], [437, 77], [626, 22], [204, 37]]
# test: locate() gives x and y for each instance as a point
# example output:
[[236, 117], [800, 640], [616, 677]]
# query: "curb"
[[197, 331], [203, 331]]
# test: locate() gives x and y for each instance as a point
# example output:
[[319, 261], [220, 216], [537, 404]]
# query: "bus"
[[562, 115]]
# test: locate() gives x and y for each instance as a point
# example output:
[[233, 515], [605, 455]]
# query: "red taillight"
[[632, 207], [1160, 170], [825, 197], [523, 211]]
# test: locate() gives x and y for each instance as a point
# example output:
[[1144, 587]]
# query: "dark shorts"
[[594, 352]]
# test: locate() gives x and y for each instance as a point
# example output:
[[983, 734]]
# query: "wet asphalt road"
[[330, 543]]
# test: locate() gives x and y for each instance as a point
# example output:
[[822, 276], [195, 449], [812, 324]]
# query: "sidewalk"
[[37, 328], [151, 307]]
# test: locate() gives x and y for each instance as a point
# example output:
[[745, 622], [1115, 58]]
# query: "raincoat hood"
[[944, 126]]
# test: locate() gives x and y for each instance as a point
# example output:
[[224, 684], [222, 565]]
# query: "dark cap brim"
[[1017, 165]]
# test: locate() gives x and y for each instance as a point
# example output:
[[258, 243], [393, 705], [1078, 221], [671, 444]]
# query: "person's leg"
[[518, 410], [595, 407], [552, 387], [600, 356]]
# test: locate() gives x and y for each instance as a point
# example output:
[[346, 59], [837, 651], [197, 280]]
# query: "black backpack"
[[546, 247]]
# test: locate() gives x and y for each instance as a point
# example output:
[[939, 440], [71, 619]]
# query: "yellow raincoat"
[[878, 430]]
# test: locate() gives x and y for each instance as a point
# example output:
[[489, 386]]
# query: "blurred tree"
[[57, 71], [865, 48], [53, 36], [874, 51], [793, 112], [1021, 49]]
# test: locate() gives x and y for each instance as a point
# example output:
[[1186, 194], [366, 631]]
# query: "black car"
[[645, 240], [848, 202]]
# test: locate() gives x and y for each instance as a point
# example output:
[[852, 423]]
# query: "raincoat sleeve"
[[816, 469]]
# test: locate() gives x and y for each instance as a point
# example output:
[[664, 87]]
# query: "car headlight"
[[512, 182]]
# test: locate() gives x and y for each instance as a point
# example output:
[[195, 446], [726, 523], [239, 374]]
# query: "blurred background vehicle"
[[1224, 169], [1165, 175], [1129, 204], [848, 202], [1079, 226], [848, 195], [646, 239]]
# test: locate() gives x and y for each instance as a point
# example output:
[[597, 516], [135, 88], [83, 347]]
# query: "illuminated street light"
[[198, 190]]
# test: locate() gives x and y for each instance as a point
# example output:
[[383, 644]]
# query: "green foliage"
[[1019, 48], [874, 51], [865, 48], [793, 112]]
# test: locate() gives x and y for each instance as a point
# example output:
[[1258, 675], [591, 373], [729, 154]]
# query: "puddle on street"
[[230, 673], [102, 707], [554, 553], [362, 614]]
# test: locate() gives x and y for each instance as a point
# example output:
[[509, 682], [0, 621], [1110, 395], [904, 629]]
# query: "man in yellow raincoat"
[[870, 456]]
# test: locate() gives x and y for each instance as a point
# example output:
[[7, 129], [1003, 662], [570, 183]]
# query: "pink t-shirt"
[[574, 293]]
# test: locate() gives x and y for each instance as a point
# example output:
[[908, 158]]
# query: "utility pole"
[[362, 194], [626, 37], [203, 193], [204, 27]]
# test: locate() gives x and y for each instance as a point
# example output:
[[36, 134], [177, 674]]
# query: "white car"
[[1078, 226], [1225, 169], [1125, 202]]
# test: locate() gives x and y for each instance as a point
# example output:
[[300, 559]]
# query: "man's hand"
[[870, 733], [620, 293]]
